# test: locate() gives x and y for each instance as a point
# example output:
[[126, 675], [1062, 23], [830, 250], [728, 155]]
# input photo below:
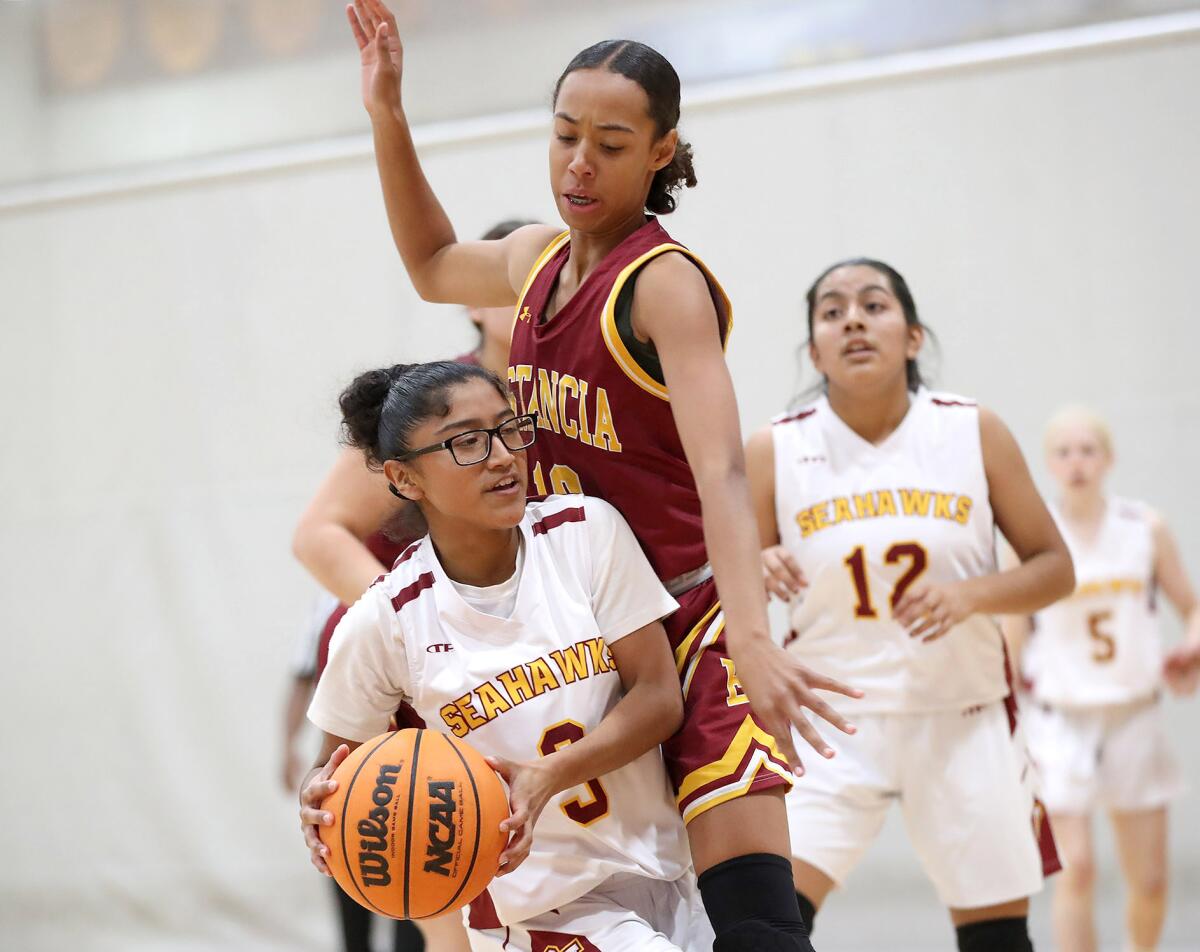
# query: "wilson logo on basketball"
[[372, 861], [436, 649], [441, 818]]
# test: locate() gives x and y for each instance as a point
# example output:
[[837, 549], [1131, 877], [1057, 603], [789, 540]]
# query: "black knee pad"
[[808, 912], [756, 891], [755, 936], [995, 935]]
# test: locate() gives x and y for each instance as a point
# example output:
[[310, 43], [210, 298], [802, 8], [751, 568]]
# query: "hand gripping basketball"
[[408, 824]]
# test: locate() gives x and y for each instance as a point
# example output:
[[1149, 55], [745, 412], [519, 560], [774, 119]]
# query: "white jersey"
[[865, 522], [1101, 644], [522, 686]]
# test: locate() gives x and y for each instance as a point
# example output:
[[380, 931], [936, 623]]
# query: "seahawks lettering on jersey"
[[522, 687], [866, 523], [1101, 644]]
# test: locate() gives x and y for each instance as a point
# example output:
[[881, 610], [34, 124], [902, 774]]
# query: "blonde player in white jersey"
[[1096, 667], [877, 504], [532, 631]]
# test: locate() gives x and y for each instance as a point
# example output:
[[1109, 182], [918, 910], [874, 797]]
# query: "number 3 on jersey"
[[583, 812], [563, 480], [856, 562]]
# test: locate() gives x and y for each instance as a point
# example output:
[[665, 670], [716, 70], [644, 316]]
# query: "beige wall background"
[[171, 356]]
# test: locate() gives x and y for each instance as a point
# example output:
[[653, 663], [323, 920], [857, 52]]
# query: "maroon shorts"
[[721, 752]]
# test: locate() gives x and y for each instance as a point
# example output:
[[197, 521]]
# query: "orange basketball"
[[416, 824]]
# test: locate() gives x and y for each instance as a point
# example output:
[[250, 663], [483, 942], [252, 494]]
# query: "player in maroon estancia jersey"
[[618, 346]]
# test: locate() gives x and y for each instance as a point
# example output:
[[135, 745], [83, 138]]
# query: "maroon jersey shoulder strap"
[[608, 315]]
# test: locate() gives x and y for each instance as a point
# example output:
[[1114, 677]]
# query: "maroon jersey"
[[605, 425]]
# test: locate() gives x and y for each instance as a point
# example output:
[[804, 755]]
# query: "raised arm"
[[474, 273], [672, 307]]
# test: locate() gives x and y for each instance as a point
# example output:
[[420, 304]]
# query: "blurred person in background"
[[1095, 667], [878, 504]]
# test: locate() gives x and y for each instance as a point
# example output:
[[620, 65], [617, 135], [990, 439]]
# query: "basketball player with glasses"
[[533, 632]]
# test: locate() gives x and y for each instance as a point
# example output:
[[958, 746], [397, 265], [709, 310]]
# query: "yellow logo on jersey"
[[525, 315], [922, 503], [516, 686], [563, 405], [1109, 586]]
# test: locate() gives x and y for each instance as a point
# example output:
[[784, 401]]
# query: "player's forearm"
[[419, 224], [731, 537], [337, 559], [646, 716], [297, 704], [1029, 587], [1191, 629]]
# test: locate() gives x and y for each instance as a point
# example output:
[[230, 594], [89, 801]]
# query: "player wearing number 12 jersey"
[[879, 503]]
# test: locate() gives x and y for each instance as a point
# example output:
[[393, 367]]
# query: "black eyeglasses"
[[474, 446]]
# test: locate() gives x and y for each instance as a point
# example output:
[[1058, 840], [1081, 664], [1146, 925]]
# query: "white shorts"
[[621, 914], [1115, 756], [965, 785]]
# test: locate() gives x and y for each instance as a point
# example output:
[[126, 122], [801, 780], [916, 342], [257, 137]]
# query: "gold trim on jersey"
[[748, 734], [547, 253], [608, 319], [681, 652]]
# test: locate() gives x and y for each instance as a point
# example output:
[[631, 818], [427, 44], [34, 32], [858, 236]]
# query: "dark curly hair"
[[653, 72], [381, 408]]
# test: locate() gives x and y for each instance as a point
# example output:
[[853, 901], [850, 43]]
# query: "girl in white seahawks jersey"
[[877, 504], [534, 632], [1095, 666]]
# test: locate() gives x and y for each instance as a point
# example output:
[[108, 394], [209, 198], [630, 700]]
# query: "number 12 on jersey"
[[912, 552]]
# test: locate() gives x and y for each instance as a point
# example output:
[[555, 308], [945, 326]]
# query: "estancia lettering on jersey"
[[605, 421], [866, 522], [607, 428], [1101, 644], [520, 687]]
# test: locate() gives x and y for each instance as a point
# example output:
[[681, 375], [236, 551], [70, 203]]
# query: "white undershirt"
[[495, 600]]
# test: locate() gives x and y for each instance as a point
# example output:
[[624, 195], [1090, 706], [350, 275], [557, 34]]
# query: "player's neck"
[[1083, 508], [873, 416], [493, 355], [476, 556], [589, 249]]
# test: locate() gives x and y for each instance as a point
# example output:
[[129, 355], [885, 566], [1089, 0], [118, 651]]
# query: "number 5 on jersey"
[[583, 812]]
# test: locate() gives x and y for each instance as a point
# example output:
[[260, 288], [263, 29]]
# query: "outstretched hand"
[[374, 29], [779, 688]]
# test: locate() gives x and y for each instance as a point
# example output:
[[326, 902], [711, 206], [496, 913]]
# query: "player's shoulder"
[[1125, 509], [574, 512], [945, 401], [409, 578], [804, 414]]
